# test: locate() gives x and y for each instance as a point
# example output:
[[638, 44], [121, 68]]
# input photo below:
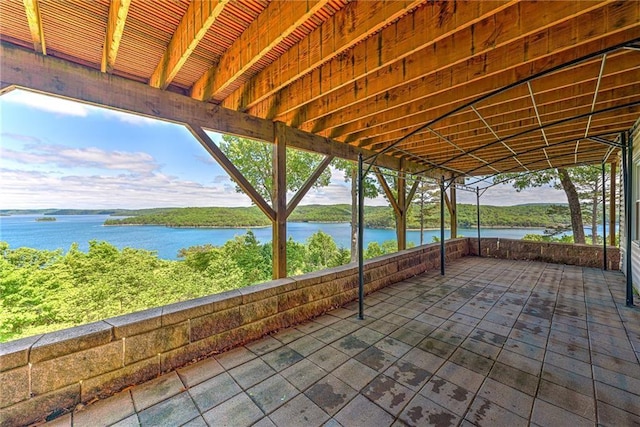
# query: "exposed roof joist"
[[32, 9], [278, 21], [194, 25], [118, 11]]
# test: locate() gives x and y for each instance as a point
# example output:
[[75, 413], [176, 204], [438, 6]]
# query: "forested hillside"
[[520, 216], [43, 291]]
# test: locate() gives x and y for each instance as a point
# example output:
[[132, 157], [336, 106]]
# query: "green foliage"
[[255, 161], [198, 217], [43, 291]]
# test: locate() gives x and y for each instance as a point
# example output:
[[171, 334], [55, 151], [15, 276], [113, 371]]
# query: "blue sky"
[[56, 153]]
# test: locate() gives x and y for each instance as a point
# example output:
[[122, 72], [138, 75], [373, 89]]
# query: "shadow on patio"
[[495, 342]]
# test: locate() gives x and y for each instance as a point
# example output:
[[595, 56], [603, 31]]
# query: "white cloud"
[[49, 104], [90, 157], [28, 189], [56, 105]]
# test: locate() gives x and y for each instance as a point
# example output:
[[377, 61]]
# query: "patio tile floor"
[[493, 342]]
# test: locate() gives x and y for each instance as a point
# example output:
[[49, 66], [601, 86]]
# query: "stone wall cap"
[[136, 322], [16, 353], [71, 340]]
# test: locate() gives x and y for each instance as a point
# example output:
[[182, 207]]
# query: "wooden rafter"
[[391, 51], [32, 9], [279, 20], [510, 108], [118, 11], [395, 88], [199, 17], [348, 27]]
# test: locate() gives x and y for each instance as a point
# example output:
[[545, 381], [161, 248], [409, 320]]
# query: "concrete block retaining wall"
[[558, 253], [46, 374]]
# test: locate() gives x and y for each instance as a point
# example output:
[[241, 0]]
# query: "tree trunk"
[[574, 205], [354, 215]]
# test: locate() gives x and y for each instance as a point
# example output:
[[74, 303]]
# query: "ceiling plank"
[[501, 72], [398, 121], [279, 20], [387, 89], [390, 47], [24, 69], [195, 23], [345, 29], [118, 11], [32, 9]]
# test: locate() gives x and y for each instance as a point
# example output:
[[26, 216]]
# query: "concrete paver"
[[493, 342]]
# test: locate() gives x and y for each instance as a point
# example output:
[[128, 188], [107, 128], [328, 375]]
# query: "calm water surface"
[[24, 230]]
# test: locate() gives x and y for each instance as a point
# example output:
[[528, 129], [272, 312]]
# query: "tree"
[[255, 161], [579, 183], [426, 196], [371, 190]]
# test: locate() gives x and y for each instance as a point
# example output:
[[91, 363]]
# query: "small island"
[[46, 219]]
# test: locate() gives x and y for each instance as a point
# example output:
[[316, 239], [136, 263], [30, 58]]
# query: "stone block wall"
[[46, 374], [558, 253]]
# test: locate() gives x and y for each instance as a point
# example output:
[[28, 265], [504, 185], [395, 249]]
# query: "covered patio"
[[450, 91], [495, 342]]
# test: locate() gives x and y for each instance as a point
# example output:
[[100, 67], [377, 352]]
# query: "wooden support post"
[[612, 205], [279, 224], [453, 211]]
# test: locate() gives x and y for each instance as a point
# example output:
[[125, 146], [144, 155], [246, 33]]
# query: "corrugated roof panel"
[[13, 21], [75, 28], [147, 32]]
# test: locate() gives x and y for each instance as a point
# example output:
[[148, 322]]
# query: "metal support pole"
[[627, 163], [360, 238], [442, 249], [604, 219], [478, 213]]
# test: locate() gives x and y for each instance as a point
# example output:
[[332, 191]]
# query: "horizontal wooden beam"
[[349, 26], [436, 53], [233, 172], [22, 68], [118, 11], [397, 122], [195, 23], [34, 19], [277, 22]]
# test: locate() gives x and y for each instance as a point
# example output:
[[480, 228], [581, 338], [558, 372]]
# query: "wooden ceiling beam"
[[506, 117], [24, 69], [349, 26], [569, 131], [195, 23], [492, 71], [392, 48], [277, 22], [118, 11], [517, 114], [401, 120], [438, 152], [479, 49], [34, 19]]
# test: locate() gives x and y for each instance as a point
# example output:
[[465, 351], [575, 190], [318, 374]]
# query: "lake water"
[[24, 230]]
